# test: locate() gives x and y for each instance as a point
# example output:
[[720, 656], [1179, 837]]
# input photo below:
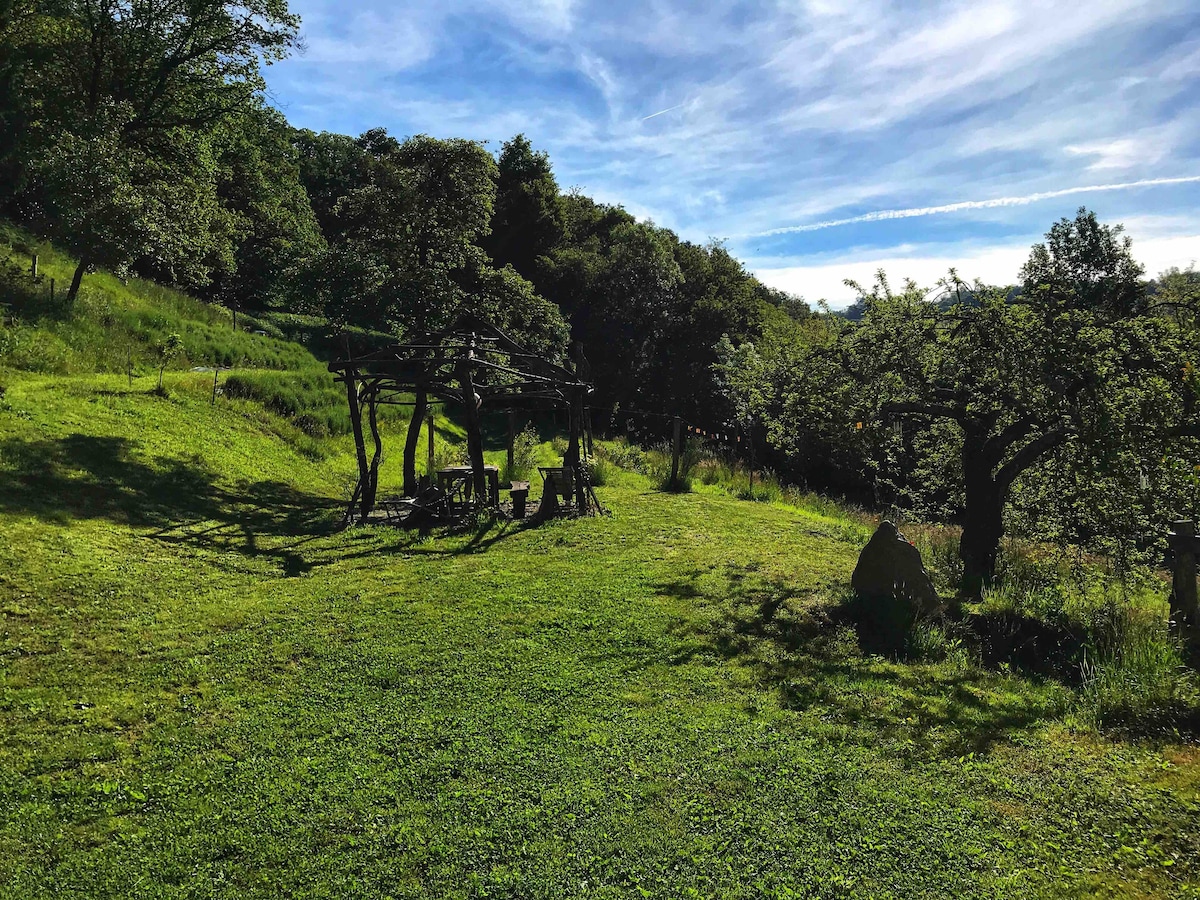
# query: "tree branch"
[[937, 410], [1030, 453], [997, 444]]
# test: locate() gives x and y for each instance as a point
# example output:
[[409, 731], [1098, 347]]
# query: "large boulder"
[[890, 566]]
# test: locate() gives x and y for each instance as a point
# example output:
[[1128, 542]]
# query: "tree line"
[[137, 136]]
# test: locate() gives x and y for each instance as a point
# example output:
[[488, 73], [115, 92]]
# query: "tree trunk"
[[360, 447], [372, 487], [983, 523], [474, 436], [76, 281], [411, 439]]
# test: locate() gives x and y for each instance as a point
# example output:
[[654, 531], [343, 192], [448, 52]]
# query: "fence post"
[[216, 372], [33, 267], [1184, 613], [52, 292], [676, 441]]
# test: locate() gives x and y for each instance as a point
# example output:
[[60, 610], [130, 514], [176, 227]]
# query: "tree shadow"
[[803, 644], [89, 477]]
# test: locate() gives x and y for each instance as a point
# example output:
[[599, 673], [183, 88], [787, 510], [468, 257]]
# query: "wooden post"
[[216, 372], [1185, 614], [377, 458], [466, 380], [360, 445], [429, 473], [412, 440], [676, 447], [33, 268], [512, 436]]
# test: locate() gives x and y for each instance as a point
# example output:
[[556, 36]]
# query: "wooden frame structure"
[[474, 365]]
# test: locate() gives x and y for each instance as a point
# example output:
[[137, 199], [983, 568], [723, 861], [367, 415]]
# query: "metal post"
[[1185, 615], [216, 372]]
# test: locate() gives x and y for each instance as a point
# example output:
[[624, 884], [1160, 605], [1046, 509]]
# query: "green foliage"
[[309, 397], [527, 222], [526, 445], [115, 325], [165, 351], [1085, 265], [1067, 411], [658, 465], [120, 109], [600, 472], [1135, 676], [259, 184]]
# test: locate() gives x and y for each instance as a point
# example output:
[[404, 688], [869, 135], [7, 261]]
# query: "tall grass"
[[1134, 674], [526, 446], [114, 324]]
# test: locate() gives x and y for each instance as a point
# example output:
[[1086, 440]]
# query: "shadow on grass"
[[88, 477], [805, 646]]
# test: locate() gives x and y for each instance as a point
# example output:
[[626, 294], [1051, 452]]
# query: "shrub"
[[690, 455], [446, 454], [600, 472], [525, 455], [622, 454]]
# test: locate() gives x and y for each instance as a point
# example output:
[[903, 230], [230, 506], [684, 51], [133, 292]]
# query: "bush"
[[600, 472], [622, 454], [525, 455], [446, 454], [690, 455]]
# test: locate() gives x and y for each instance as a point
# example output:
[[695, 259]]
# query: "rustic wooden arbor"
[[473, 364]]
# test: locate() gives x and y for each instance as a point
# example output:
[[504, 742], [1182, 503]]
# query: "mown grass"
[[207, 690]]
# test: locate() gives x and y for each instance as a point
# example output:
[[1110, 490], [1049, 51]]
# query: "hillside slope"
[[206, 690]]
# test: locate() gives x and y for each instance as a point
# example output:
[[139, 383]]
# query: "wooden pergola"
[[474, 365]]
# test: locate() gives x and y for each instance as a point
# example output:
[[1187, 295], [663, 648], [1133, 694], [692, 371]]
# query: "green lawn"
[[206, 691]]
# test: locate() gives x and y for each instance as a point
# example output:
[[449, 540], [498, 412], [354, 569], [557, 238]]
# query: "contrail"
[[885, 214], [661, 111]]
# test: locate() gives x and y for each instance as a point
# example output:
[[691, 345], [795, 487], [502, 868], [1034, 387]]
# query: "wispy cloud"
[[804, 112], [994, 203]]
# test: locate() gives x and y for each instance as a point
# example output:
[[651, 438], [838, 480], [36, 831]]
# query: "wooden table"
[[453, 478]]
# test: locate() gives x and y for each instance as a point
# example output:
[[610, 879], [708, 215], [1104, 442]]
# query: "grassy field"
[[208, 691]]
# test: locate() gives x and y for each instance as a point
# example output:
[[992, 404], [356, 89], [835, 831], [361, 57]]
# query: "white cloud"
[[1001, 264]]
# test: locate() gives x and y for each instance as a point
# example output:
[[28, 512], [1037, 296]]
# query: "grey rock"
[[890, 566]]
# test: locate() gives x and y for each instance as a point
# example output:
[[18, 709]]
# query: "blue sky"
[[820, 140]]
